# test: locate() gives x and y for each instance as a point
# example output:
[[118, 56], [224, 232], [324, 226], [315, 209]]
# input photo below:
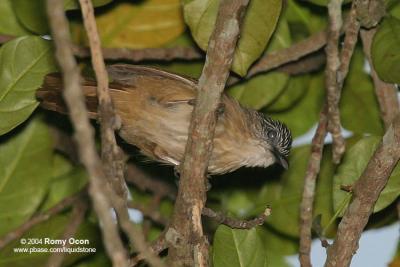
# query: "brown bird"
[[155, 108]]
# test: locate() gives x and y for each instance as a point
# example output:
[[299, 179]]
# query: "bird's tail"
[[50, 95]]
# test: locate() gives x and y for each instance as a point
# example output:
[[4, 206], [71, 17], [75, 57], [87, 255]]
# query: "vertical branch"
[[84, 133], [386, 93], [306, 206], [188, 245], [335, 79], [365, 194], [111, 153], [331, 79]]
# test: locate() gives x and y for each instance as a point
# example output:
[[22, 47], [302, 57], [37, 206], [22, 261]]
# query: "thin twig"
[[39, 218], [77, 217], [144, 182], [84, 133], [385, 92], [112, 156], [366, 192], [235, 223], [293, 53], [5, 38], [157, 246], [186, 221], [306, 210], [331, 78], [351, 33]]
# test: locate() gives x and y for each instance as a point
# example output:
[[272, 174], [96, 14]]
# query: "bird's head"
[[276, 138]]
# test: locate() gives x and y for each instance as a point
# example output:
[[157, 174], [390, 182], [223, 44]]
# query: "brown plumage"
[[155, 110]]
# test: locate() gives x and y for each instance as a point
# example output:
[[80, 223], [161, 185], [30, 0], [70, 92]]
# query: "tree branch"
[[366, 191], [84, 132], [331, 78], [186, 222], [335, 77], [111, 154], [306, 206], [157, 247], [293, 53], [235, 223], [144, 181]]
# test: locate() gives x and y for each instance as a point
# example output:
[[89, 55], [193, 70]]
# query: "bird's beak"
[[281, 159]]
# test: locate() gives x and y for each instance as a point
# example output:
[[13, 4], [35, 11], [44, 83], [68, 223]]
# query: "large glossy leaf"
[[25, 172], [285, 194], [32, 14], [9, 23], [23, 62], [354, 162], [66, 181], [265, 88], [359, 108], [303, 19], [138, 24], [276, 243], [259, 91], [51, 229], [395, 11], [304, 112], [238, 248], [292, 93], [386, 50], [259, 24]]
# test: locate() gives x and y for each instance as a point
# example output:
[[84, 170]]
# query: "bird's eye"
[[272, 134]]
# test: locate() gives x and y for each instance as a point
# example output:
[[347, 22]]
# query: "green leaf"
[[51, 229], [385, 50], [25, 173], [304, 112], [8, 20], [23, 62], [354, 162], [359, 109], [191, 68], [259, 91], [395, 11], [259, 24], [303, 19], [291, 94], [65, 184], [265, 88], [136, 24], [33, 15], [238, 248], [277, 246], [284, 195]]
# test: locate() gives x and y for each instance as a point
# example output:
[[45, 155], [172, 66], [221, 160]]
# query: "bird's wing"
[[164, 87]]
